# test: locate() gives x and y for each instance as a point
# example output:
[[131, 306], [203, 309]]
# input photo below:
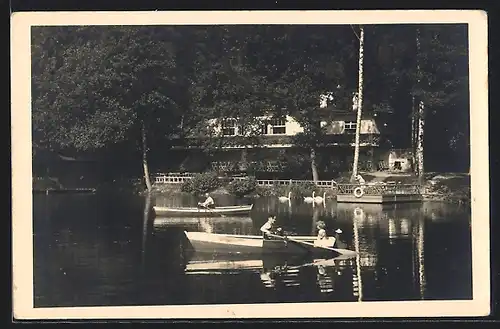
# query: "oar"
[[215, 212], [312, 245], [303, 243]]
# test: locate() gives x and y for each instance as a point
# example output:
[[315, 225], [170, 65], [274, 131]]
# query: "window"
[[350, 127], [263, 128], [278, 126], [229, 127]]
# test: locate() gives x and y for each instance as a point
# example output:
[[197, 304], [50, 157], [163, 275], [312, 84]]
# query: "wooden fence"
[[175, 178], [368, 189]]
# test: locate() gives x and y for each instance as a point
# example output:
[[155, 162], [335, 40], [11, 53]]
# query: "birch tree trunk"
[[420, 139], [314, 165], [359, 103], [420, 116], [145, 158], [413, 135]]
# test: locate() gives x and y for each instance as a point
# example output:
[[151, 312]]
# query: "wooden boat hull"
[[200, 212], [64, 190], [185, 220], [202, 242]]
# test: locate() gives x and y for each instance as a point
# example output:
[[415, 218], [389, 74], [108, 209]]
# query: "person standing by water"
[[361, 181], [208, 203]]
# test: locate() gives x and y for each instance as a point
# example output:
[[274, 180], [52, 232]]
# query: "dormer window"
[[350, 127], [229, 127], [278, 126]]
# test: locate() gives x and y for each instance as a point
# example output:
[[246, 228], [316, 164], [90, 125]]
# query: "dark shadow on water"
[[110, 250]]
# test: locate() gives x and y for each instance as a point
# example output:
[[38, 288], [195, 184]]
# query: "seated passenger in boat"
[[321, 226], [208, 203], [322, 239], [269, 227]]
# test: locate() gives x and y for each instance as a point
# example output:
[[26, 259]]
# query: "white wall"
[[292, 127]]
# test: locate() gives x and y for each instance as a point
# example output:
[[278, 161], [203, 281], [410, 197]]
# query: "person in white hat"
[[338, 243]]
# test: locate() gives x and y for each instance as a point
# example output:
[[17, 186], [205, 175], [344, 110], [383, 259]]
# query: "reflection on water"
[[95, 250]]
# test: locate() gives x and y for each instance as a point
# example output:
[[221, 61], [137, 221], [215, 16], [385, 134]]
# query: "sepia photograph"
[[258, 164]]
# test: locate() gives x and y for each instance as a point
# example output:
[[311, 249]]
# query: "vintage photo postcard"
[[250, 164]]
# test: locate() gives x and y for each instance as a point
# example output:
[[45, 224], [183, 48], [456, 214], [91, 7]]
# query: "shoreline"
[[438, 187], [451, 197]]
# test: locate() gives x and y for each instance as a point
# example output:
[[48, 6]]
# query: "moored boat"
[[242, 210], [202, 242], [185, 220]]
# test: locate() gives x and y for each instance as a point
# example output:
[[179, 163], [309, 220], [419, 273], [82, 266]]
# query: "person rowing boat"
[[209, 202], [269, 228]]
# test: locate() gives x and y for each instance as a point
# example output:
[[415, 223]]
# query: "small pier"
[[378, 193]]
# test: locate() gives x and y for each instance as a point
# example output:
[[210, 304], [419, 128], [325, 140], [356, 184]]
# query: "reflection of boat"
[[194, 211], [213, 263], [164, 221], [274, 270], [255, 244]]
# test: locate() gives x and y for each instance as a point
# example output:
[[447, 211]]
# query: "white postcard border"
[[22, 231]]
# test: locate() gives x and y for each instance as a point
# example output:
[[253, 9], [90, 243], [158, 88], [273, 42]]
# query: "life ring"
[[358, 192]]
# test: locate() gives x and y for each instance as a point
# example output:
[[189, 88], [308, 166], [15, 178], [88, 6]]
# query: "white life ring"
[[358, 192]]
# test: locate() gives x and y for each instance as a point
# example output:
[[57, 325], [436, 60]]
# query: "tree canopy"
[[97, 86]]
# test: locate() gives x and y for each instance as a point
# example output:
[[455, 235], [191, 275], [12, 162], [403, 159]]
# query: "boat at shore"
[[242, 210], [203, 242]]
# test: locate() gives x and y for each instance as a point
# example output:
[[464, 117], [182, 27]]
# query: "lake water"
[[104, 250]]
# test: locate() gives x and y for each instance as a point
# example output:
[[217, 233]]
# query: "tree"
[[359, 105], [427, 78], [301, 64], [98, 86], [227, 87]]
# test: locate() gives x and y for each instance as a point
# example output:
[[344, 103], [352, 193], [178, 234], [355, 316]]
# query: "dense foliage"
[[96, 88], [202, 183], [242, 187]]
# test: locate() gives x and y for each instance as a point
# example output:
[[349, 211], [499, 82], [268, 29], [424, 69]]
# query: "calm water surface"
[[96, 250]]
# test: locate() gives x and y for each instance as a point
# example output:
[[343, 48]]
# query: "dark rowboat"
[[202, 242], [243, 210]]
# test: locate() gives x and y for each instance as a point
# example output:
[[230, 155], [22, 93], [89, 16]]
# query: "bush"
[[298, 190], [242, 187], [303, 189], [202, 183]]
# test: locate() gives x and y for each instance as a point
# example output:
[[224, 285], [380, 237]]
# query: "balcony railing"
[[241, 141]]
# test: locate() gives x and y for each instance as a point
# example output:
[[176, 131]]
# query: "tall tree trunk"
[[420, 116], [145, 225], [244, 159], [145, 158], [413, 135], [420, 139], [359, 103], [314, 165]]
